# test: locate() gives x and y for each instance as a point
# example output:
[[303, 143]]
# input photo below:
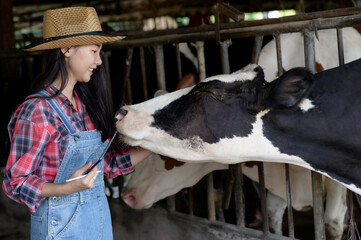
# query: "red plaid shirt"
[[39, 141]]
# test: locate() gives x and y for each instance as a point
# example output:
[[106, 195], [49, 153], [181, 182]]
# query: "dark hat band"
[[95, 33]]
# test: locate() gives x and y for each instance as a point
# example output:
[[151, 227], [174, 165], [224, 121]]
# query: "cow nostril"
[[123, 111], [120, 114], [129, 199]]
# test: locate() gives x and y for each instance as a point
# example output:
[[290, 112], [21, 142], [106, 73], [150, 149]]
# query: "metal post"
[[210, 198], [224, 56], [144, 75], [341, 57], [256, 49], [191, 201], [159, 57], [229, 187], [309, 50], [291, 231], [262, 189], [127, 88], [201, 61], [317, 191], [171, 203], [318, 211], [238, 195], [279, 54], [179, 63]]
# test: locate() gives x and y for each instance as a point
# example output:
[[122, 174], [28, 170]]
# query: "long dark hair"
[[93, 94]]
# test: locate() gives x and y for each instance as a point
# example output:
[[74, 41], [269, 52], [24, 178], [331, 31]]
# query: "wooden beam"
[[7, 39]]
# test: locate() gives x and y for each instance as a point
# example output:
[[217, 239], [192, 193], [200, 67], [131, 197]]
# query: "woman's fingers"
[[88, 179], [81, 170], [93, 174]]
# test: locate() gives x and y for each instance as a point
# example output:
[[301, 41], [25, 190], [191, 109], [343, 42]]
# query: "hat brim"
[[73, 40]]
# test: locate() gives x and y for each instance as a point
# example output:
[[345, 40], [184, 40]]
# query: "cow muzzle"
[[120, 114]]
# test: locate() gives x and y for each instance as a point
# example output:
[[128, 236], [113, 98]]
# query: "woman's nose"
[[98, 60]]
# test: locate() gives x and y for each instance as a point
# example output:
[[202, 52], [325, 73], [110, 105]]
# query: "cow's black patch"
[[213, 110], [327, 136]]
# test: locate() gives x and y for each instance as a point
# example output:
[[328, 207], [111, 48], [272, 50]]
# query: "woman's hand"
[[85, 182], [60, 189]]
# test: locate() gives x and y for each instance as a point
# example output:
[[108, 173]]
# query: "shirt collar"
[[62, 99]]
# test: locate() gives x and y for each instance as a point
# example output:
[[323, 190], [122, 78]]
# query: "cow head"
[[189, 123], [158, 177]]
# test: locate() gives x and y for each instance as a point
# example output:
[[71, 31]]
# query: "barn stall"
[[122, 58]]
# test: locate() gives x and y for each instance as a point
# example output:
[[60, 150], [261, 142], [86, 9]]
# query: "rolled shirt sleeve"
[[116, 164], [21, 182]]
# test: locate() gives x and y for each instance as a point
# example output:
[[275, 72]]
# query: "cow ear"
[[289, 89]]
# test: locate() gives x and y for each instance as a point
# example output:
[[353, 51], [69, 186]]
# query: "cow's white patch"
[[162, 100], [306, 104], [353, 188], [246, 73], [151, 182], [253, 147]]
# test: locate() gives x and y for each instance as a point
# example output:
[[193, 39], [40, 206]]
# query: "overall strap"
[[55, 105]]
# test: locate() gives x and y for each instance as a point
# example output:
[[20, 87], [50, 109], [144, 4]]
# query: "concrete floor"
[[129, 223]]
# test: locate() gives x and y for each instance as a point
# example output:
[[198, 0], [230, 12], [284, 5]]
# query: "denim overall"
[[82, 215]]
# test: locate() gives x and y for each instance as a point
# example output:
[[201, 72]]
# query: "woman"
[[60, 130]]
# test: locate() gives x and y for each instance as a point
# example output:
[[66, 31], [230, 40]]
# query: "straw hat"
[[71, 26]]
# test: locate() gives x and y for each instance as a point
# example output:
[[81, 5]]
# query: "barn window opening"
[[251, 16], [281, 13], [183, 21], [160, 23]]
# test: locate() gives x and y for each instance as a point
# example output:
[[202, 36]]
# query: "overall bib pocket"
[[62, 217]]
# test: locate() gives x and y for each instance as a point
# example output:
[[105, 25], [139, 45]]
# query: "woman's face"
[[82, 60]]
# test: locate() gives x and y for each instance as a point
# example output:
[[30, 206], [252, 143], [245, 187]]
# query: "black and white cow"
[[325, 45], [305, 119]]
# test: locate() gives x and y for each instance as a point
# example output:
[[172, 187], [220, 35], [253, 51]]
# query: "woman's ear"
[[65, 51]]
